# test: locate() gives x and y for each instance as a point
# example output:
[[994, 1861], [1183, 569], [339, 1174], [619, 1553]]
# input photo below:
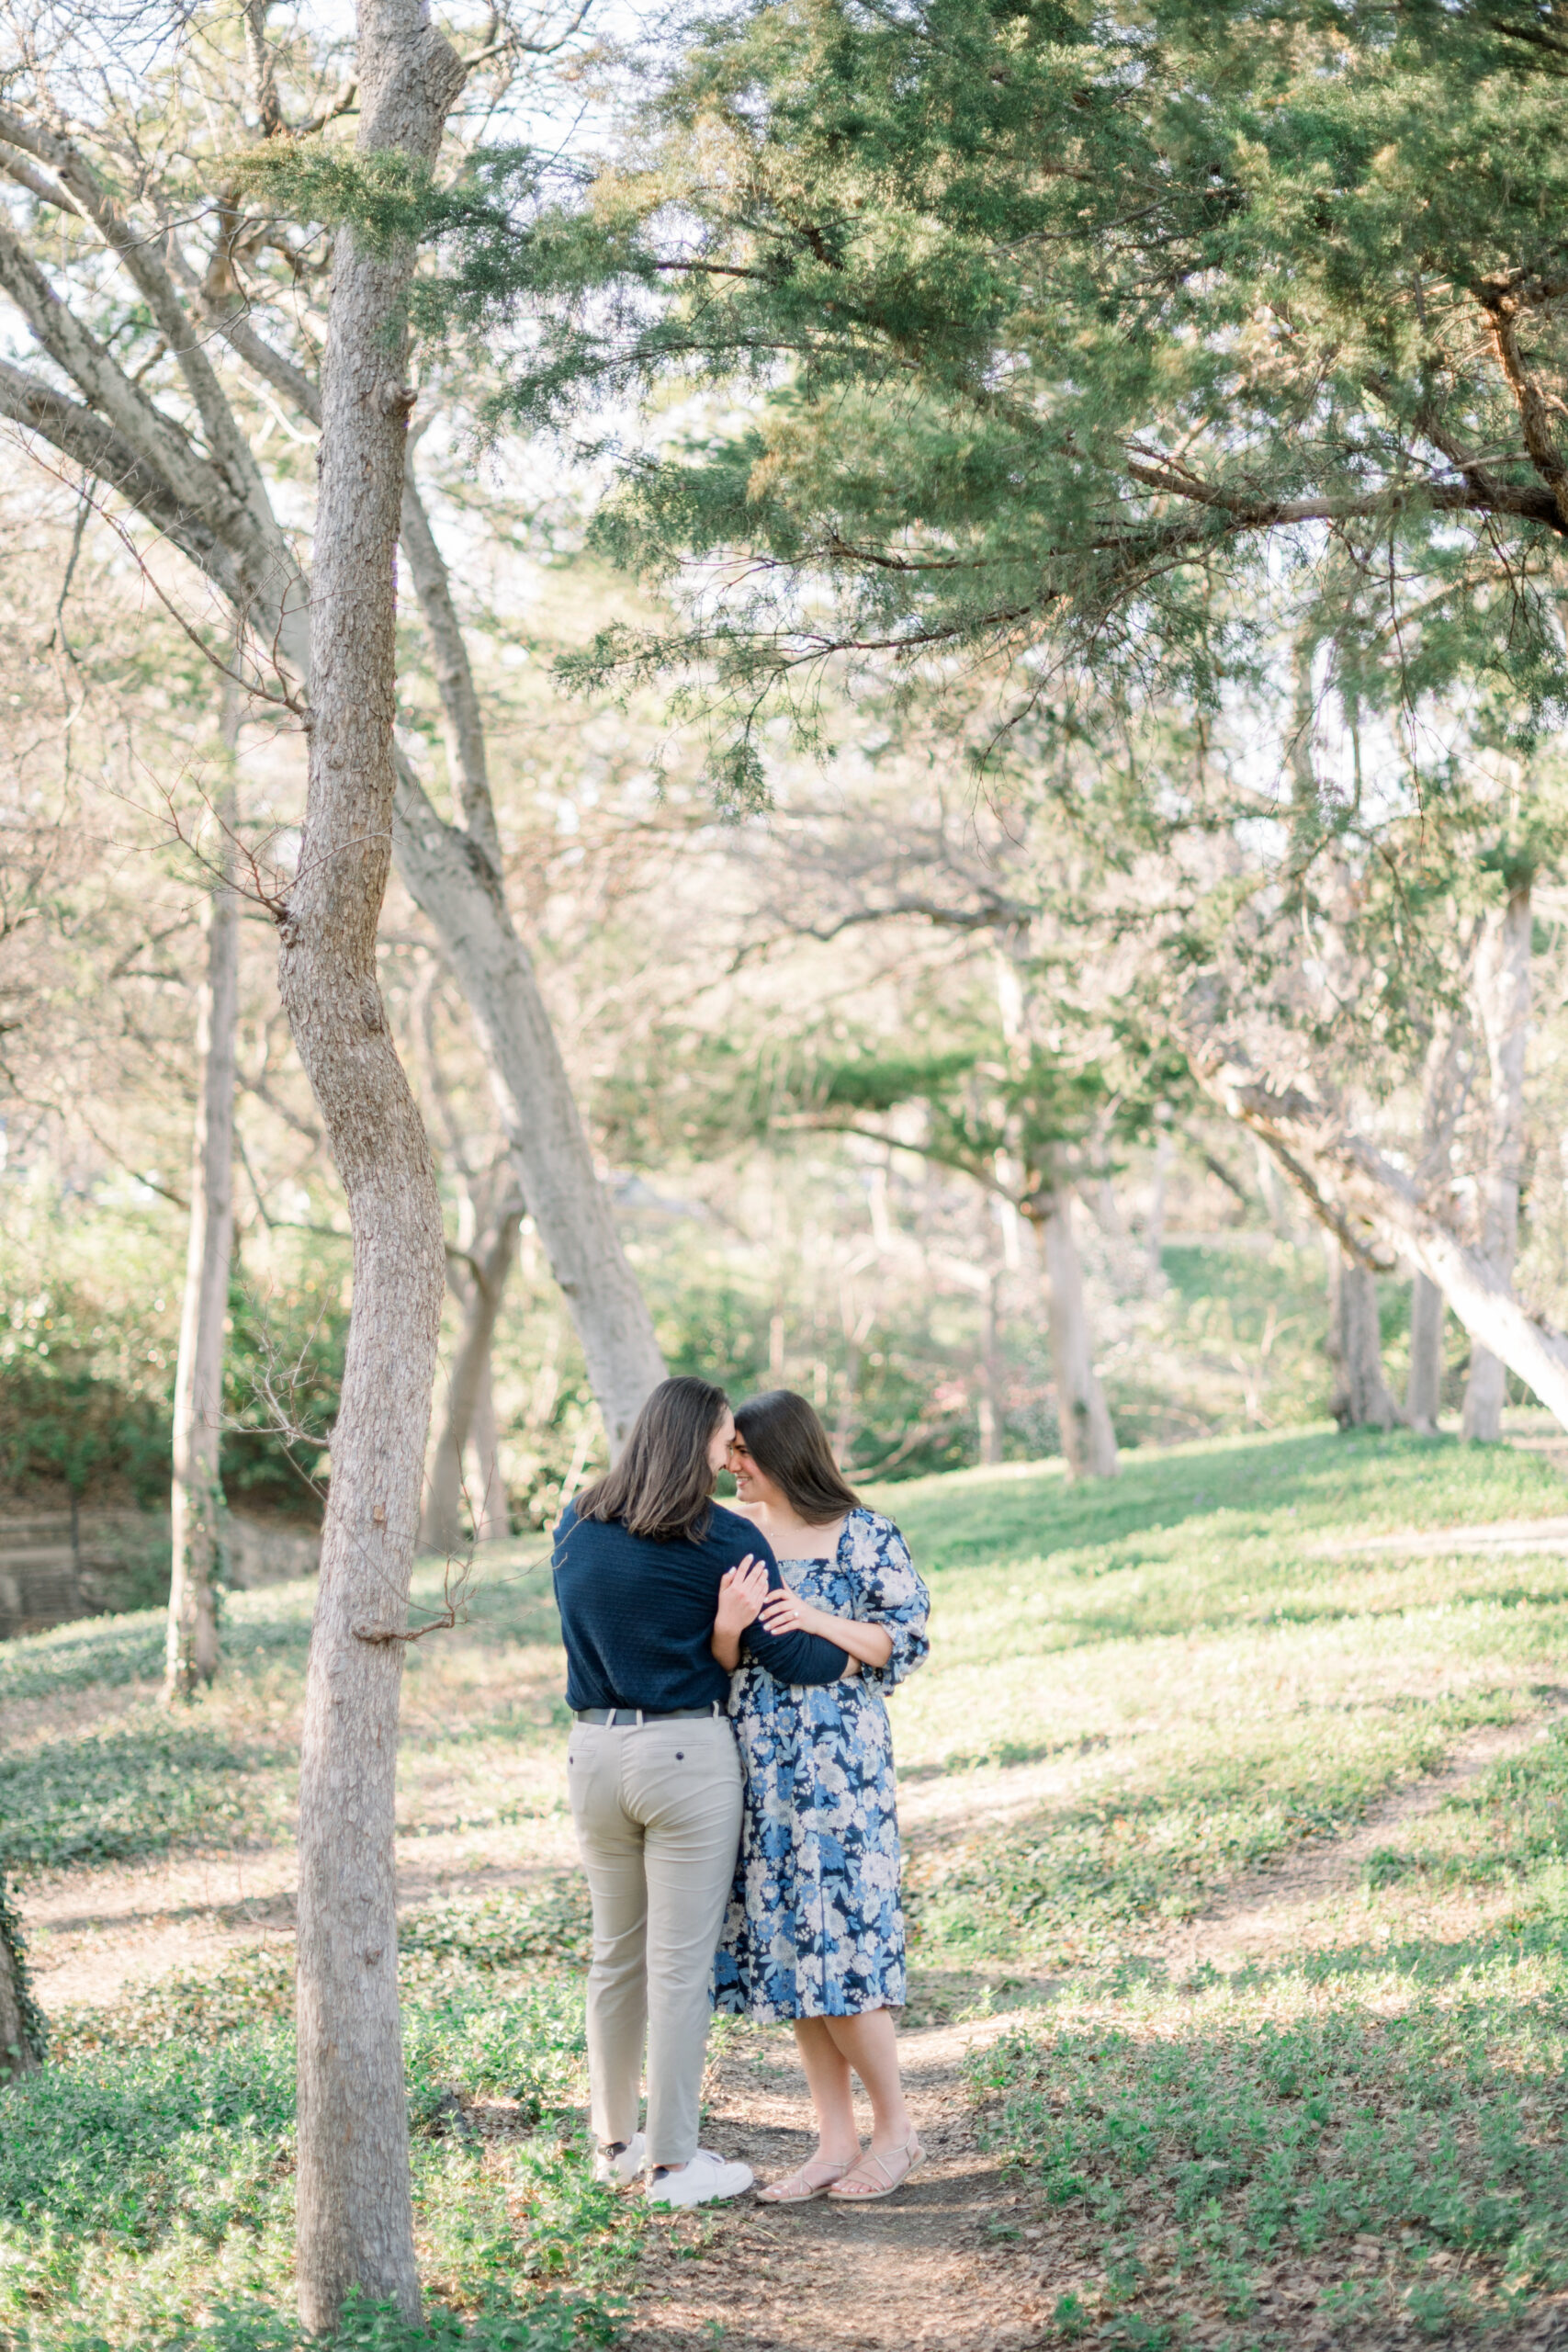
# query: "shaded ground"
[[922, 2267]]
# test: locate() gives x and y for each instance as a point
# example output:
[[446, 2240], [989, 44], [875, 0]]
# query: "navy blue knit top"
[[636, 1616]]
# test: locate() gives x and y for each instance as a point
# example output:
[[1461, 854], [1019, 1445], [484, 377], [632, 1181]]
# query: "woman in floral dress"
[[815, 1930]]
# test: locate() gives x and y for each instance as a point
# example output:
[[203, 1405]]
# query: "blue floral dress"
[[815, 1926]]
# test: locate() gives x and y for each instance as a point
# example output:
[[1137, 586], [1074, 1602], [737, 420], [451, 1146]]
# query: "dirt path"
[[920, 2268], [1314, 1897]]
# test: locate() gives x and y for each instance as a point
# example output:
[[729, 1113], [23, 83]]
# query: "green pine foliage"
[[1071, 338]]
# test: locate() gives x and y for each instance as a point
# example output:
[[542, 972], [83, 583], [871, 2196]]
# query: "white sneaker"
[[615, 2172], [702, 2182]]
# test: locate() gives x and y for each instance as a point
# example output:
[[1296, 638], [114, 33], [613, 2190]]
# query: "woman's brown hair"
[[787, 1440], [662, 1486]]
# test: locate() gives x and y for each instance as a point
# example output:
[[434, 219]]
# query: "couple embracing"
[[730, 1770]]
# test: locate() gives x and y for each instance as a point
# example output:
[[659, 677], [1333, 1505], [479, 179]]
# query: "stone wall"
[[57, 1565]]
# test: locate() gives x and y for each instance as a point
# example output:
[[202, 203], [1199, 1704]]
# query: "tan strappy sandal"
[[796, 2190], [878, 2174]]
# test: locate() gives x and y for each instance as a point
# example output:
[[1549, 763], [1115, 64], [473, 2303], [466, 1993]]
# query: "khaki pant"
[[658, 1814]]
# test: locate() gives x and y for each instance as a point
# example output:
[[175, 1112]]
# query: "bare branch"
[[453, 676]]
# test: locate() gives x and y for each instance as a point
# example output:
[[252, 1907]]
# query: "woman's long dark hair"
[[787, 1440], [662, 1485]]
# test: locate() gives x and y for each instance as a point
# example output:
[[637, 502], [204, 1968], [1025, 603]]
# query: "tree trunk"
[[992, 1413], [20, 2048], [1382, 1215], [1442, 1097], [1361, 1399], [1423, 1397], [355, 2217], [196, 1502], [1501, 990], [1153, 1239], [571, 1207], [1089, 1440], [1276, 1199], [481, 1297], [494, 1513], [466, 901]]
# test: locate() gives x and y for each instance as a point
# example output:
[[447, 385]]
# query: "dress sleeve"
[[889, 1591]]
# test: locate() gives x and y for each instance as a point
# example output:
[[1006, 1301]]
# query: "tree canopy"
[[1081, 340]]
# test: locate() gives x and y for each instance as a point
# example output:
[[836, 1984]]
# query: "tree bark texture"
[[207, 498], [1361, 1399], [22, 2038], [480, 1293], [1088, 1440], [1153, 1239], [1501, 993], [197, 1499], [1424, 1394], [495, 1524], [355, 2221], [16, 2053], [993, 1403], [1383, 1216]]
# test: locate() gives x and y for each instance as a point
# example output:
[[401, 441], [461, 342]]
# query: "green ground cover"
[[1344, 2148], [1135, 1695], [146, 2175]]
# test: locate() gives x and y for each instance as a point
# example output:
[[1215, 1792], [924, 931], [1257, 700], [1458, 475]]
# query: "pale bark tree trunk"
[[1153, 1239], [1442, 1097], [1276, 1199], [197, 1500], [355, 2215], [494, 1513], [993, 1406], [1361, 1399], [481, 1294], [571, 1207], [1088, 1440], [1383, 1216], [1501, 991], [1424, 1392]]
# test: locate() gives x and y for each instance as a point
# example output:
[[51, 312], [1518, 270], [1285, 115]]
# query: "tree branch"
[[453, 676]]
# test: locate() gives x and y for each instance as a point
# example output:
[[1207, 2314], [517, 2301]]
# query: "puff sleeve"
[[888, 1591]]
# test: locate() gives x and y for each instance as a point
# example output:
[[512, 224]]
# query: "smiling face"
[[753, 1485]]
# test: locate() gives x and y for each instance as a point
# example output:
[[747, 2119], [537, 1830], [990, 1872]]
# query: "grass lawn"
[[1137, 1696]]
